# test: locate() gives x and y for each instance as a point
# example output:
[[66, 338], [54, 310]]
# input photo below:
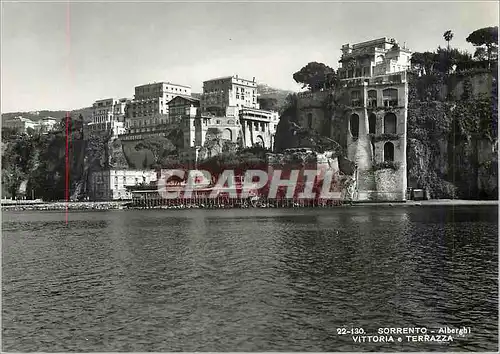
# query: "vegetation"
[[39, 161], [486, 42], [393, 165], [315, 76], [444, 141]]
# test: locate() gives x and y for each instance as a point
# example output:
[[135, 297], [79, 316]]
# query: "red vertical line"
[[66, 190], [68, 42]]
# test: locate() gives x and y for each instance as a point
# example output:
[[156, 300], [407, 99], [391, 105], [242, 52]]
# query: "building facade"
[[149, 108], [374, 76], [20, 125], [224, 96], [258, 127], [381, 56], [108, 115], [112, 184], [230, 104], [47, 124]]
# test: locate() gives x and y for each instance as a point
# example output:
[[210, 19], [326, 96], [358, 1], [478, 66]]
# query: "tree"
[[480, 53], [158, 147], [424, 62], [313, 76], [448, 36], [487, 37], [269, 104]]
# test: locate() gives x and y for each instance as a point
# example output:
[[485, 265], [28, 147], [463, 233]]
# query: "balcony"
[[394, 78], [390, 102], [356, 102]]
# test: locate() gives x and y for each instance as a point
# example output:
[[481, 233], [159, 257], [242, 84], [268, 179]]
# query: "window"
[[390, 123], [372, 123], [356, 98], [390, 97], [372, 98], [354, 125], [388, 151], [309, 120]]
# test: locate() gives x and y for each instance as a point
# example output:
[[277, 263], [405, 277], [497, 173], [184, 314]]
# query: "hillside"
[[35, 116], [268, 93]]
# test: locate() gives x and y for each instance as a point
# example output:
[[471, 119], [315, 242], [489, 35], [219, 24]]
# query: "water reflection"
[[256, 280]]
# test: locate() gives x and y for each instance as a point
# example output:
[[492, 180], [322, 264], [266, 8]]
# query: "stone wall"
[[388, 184]]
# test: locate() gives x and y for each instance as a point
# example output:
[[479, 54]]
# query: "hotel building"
[[108, 115], [112, 184], [374, 75], [149, 108]]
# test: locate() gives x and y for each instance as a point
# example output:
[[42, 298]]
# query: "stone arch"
[[259, 140], [354, 125], [227, 134], [372, 123], [388, 151], [390, 123]]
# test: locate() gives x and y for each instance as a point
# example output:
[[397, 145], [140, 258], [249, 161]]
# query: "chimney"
[[236, 75], [254, 79]]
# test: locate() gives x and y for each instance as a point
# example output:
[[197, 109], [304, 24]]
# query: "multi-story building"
[[372, 58], [258, 127], [183, 111], [47, 124], [108, 115], [224, 96], [112, 184], [20, 125], [149, 108], [374, 75], [233, 100]]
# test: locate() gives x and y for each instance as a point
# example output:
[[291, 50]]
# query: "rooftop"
[[189, 98], [230, 77], [164, 83]]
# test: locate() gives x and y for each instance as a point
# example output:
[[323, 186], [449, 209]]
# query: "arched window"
[[372, 98], [390, 97], [354, 125], [309, 120], [227, 134], [390, 123], [372, 123], [388, 151]]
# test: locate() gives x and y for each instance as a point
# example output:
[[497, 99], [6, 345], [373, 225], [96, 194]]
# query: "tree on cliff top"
[[448, 36], [487, 37], [315, 76]]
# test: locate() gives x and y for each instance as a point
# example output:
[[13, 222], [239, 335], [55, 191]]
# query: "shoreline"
[[122, 205]]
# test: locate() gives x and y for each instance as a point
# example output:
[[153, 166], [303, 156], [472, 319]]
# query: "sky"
[[66, 55]]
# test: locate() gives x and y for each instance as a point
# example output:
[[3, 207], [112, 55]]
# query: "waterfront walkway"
[[436, 202], [55, 206]]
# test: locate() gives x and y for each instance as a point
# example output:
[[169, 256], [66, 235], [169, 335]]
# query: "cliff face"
[[40, 161], [452, 134]]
